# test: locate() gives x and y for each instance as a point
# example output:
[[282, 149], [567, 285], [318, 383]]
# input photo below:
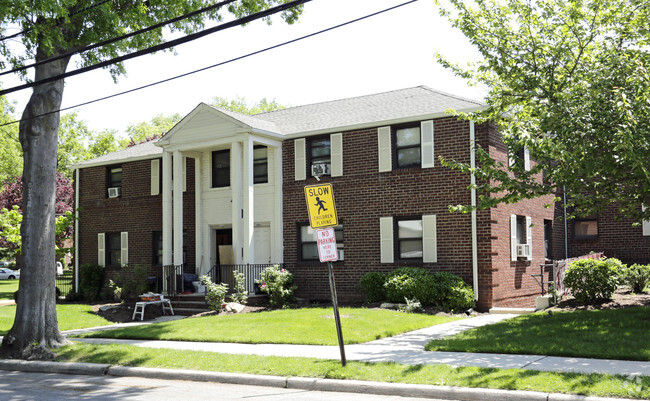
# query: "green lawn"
[[70, 316], [609, 334], [510, 379], [7, 289], [292, 326]]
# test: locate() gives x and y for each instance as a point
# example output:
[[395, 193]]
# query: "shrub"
[[278, 283], [134, 284], [216, 293], [593, 280], [636, 276], [91, 278], [74, 297], [409, 282], [451, 293], [240, 295], [373, 285]]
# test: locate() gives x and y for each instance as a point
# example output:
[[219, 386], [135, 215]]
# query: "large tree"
[[54, 28], [568, 80]]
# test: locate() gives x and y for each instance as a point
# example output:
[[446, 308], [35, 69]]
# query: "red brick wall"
[[363, 195], [617, 238], [512, 283], [135, 211]]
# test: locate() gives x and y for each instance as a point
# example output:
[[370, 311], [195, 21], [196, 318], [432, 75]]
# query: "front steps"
[[192, 304]]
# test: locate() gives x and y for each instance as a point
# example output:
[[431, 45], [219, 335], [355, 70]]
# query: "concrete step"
[[189, 311]]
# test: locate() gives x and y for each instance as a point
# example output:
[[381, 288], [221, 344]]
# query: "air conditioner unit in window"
[[523, 250], [114, 192], [318, 169]]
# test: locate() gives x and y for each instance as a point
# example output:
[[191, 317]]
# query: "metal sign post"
[[326, 241], [335, 305]]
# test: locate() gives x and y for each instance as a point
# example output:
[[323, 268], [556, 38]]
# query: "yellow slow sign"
[[321, 207]]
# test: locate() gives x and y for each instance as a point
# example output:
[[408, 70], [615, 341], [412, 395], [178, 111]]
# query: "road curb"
[[78, 368], [299, 383]]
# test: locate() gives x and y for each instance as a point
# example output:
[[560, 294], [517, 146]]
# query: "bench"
[[139, 307]]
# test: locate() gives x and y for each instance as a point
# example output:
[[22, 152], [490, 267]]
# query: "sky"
[[391, 51]]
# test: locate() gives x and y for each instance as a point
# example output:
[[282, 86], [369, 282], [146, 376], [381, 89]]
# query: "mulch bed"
[[623, 298]]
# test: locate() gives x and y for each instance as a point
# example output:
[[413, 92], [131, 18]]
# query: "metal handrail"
[[172, 282], [224, 274]]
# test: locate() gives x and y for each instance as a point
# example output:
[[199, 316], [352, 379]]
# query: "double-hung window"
[[114, 181], [320, 155], [260, 164], [113, 249], [307, 242], [409, 238], [521, 238], [221, 168], [407, 146]]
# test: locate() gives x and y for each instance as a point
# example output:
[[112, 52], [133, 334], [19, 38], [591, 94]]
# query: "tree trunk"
[[36, 328]]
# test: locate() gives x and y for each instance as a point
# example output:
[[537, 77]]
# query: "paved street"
[[18, 386]]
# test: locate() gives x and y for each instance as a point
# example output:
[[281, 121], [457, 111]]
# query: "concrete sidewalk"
[[407, 348]]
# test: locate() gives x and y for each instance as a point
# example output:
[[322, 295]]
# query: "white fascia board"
[[382, 123], [266, 141], [117, 161]]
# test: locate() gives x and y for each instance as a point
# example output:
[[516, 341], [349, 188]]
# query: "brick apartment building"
[[222, 188]]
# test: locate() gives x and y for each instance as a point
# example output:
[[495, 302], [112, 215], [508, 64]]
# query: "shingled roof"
[[338, 115]]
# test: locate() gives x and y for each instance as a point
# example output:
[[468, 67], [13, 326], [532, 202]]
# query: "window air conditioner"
[[523, 250], [114, 192], [318, 169]]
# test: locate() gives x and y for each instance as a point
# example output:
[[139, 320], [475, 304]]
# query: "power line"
[[161, 46], [215, 65], [117, 39]]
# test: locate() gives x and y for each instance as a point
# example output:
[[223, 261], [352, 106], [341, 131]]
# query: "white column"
[[277, 250], [167, 221], [248, 203], [236, 189], [202, 261], [178, 208]]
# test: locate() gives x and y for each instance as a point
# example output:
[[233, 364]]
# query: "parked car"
[[8, 274]]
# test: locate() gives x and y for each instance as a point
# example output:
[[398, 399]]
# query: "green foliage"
[[240, 295], [216, 293], [636, 276], [373, 285], [157, 127], [278, 283], [409, 283], [135, 283], [240, 105], [11, 220], [91, 278], [451, 292], [570, 81], [444, 290], [592, 280], [74, 297]]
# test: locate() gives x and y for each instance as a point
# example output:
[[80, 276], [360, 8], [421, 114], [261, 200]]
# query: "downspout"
[[76, 230], [566, 235], [472, 142]]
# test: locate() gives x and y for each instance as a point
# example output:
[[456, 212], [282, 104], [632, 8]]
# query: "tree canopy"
[[52, 32], [568, 80], [240, 105]]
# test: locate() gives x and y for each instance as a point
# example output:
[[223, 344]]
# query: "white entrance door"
[[262, 244]]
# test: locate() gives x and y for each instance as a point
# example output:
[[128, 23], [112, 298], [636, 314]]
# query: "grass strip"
[[70, 316], [294, 326], [604, 334], [509, 379], [7, 289]]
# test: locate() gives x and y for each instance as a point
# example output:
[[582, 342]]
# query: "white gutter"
[[76, 231], [472, 144]]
